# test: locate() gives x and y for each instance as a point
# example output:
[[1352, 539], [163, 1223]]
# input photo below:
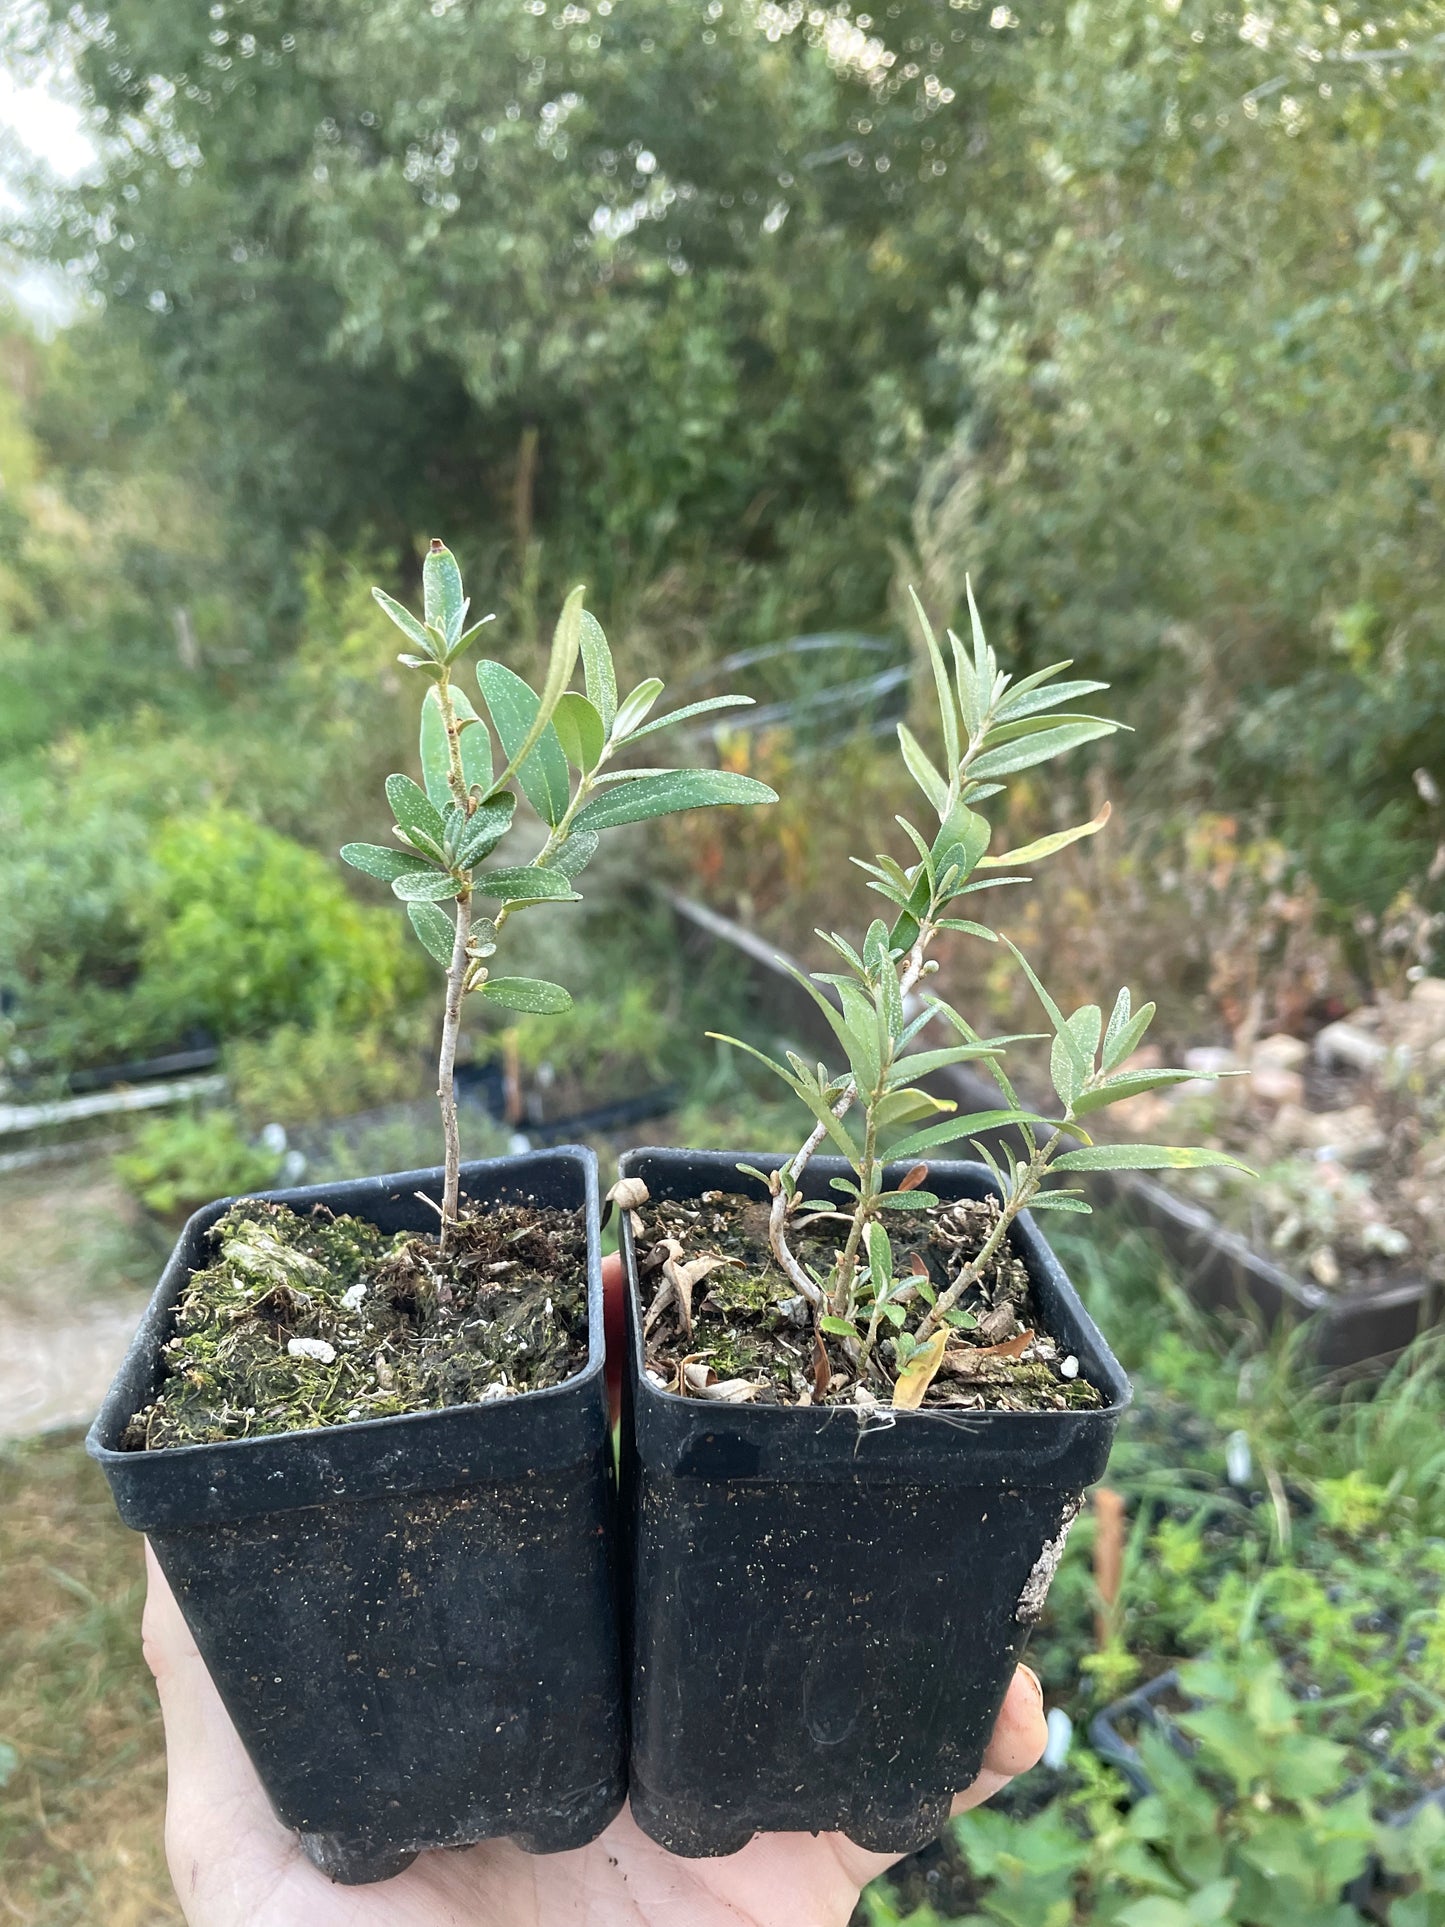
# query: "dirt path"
[[56, 1372], [73, 1272]]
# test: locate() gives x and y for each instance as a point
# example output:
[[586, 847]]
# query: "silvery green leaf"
[[597, 670], [924, 1063], [532, 994], [1144, 1157], [1028, 698], [922, 771], [692, 709], [425, 886], [632, 709], [1114, 1089], [1037, 749], [669, 790], [1123, 1037], [800, 1088], [575, 854], [580, 730], [436, 930], [486, 827], [377, 861], [953, 1128], [542, 770], [416, 815], [414, 631], [1057, 1201], [880, 1260], [525, 884], [1002, 733], [442, 598], [536, 756], [858, 1038], [467, 638], [947, 712], [906, 1200]]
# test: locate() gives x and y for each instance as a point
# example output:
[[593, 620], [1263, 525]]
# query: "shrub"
[[176, 1164], [252, 930]]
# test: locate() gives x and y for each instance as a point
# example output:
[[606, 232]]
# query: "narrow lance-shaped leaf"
[[1114, 1089], [414, 631], [486, 827], [857, 1038], [1125, 1035], [1029, 699], [1046, 845], [575, 854], [954, 1128], [948, 714], [1036, 749], [668, 790], [922, 770], [632, 708], [823, 1112], [597, 670], [686, 714], [1144, 1157]]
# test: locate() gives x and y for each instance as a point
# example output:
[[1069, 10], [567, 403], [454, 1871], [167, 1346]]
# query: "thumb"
[[220, 1831]]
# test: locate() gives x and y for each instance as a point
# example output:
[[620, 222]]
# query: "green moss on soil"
[[308, 1321], [748, 1323]]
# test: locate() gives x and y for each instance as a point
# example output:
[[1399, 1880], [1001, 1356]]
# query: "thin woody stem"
[[1028, 1182], [783, 1204], [446, 1067]]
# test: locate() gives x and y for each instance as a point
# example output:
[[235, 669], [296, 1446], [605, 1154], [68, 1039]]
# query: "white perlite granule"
[[316, 1348]]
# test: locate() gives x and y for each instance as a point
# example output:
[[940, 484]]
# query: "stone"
[[1273, 1084], [1279, 1052], [1346, 1043]]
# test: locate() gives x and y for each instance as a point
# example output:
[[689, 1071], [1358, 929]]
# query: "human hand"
[[235, 1865]]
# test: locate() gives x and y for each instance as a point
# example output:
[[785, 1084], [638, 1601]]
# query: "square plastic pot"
[[412, 1621], [828, 1605]]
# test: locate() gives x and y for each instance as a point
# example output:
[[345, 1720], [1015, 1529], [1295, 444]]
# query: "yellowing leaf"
[[919, 1373]]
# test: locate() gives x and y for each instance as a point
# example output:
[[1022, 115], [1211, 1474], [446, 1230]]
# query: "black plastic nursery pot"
[[412, 1621], [828, 1605]]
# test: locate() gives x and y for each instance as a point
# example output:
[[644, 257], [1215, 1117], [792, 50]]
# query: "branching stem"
[[785, 1202], [1027, 1182]]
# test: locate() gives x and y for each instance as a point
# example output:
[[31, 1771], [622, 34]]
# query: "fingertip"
[[1021, 1731]]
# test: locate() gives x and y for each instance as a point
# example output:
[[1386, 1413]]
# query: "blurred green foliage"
[[1132, 310], [174, 1165], [248, 929]]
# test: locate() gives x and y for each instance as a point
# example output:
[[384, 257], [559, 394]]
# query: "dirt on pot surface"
[[321, 1320], [722, 1321]]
